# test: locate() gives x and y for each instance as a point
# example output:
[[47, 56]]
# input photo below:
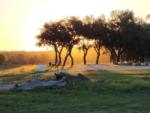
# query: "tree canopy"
[[123, 35]]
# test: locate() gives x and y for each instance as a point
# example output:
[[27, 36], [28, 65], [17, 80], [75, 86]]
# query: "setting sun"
[[21, 20]]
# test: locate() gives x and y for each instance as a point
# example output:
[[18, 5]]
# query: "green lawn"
[[124, 92]]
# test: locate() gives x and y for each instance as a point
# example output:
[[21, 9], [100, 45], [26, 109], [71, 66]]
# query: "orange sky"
[[20, 20]]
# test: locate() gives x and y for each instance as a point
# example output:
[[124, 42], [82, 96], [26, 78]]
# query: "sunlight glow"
[[21, 20]]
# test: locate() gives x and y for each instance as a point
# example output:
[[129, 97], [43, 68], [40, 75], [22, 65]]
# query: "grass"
[[10, 70], [126, 91]]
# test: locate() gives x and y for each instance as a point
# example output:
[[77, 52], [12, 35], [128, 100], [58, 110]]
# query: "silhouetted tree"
[[71, 40], [54, 34], [80, 31], [123, 35], [140, 45], [120, 36], [69, 48], [95, 29], [84, 45], [100, 33]]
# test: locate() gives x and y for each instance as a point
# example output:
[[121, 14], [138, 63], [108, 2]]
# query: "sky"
[[21, 20]]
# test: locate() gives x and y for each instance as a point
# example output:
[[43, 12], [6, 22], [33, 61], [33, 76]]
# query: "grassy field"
[[125, 91]]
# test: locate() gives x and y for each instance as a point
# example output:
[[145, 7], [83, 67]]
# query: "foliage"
[[125, 36]]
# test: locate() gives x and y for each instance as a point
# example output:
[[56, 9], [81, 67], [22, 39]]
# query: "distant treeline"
[[44, 57], [25, 57]]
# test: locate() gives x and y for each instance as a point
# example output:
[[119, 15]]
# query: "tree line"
[[22, 57], [44, 57], [124, 36]]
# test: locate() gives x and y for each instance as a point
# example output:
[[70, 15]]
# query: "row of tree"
[[124, 36]]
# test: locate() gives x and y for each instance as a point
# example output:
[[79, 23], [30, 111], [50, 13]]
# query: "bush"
[[2, 59]]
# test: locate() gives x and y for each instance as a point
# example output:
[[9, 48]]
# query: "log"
[[7, 87], [34, 84], [41, 84]]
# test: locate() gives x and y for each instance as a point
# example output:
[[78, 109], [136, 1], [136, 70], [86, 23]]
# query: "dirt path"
[[107, 67]]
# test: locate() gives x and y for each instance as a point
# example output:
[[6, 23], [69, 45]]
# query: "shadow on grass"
[[5, 67]]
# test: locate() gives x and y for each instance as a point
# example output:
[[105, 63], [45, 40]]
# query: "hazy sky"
[[20, 20]]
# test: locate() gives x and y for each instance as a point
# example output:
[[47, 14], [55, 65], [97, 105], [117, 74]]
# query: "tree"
[[71, 24], [99, 35], [84, 45], [80, 31], [69, 46], [121, 32], [141, 48], [123, 35], [2, 59], [95, 29], [54, 34], [72, 39], [147, 29]]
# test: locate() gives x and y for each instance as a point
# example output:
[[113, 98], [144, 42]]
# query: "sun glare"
[[22, 20]]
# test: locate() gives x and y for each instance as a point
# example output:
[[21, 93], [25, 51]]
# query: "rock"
[[41, 68], [7, 87], [34, 84], [62, 84], [29, 85], [50, 83], [65, 71], [54, 82]]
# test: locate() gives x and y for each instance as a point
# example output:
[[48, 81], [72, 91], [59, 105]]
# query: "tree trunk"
[[72, 61], [64, 63], [118, 56], [142, 59], [97, 48], [56, 55], [97, 58], [118, 59], [113, 58], [59, 56], [69, 50], [84, 57], [120, 52]]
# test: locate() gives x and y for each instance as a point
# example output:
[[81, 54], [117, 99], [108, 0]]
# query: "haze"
[[21, 20]]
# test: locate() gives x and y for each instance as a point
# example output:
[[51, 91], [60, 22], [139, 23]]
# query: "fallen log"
[[34, 84], [7, 87], [62, 79]]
